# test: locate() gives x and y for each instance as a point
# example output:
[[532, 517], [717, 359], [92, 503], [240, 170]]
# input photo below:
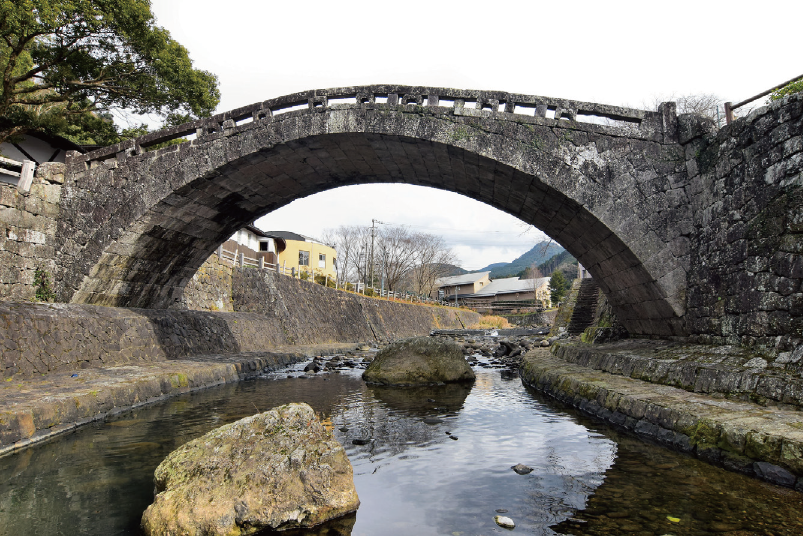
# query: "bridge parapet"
[[660, 126]]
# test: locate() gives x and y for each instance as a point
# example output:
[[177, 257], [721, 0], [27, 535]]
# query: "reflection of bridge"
[[615, 186]]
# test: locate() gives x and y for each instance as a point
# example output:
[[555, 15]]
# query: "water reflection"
[[433, 461]]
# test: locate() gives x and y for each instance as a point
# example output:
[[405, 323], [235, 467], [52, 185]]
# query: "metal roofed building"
[[514, 289], [461, 286]]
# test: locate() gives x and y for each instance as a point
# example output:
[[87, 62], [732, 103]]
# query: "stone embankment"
[[712, 422], [38, 409], [272, 310], [66, 364]]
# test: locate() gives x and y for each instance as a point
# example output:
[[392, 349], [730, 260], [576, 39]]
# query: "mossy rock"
[[281, 469], [419, 361]]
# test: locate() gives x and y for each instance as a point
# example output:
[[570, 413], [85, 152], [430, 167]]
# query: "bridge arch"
[[137, 223]]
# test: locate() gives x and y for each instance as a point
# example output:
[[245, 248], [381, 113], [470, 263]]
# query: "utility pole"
[[382, 276], [373, 224]]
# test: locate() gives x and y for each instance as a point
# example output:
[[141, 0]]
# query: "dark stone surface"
[[747, 247]]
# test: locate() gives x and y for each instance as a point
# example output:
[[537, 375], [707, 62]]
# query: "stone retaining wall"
[[544, 318], [210, 287], [746, 191], [44, 338], [732, 372], [27, 231], [311, 313], [765, 443]]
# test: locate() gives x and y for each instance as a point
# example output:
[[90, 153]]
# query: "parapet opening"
[[347, 99], [290, 107], [605, 120]]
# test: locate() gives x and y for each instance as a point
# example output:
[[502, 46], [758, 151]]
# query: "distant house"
[[460, 286], [292, 252], [305, 254], [479, 289], [254, 243], [513, 289], [37, 148]]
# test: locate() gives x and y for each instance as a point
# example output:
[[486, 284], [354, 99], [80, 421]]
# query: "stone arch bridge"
[[628, 192]]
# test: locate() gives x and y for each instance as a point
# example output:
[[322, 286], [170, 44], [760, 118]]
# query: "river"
[[436, 461]]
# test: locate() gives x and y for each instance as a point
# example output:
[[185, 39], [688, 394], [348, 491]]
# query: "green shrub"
[[41, 280], [322, 280], [788, 89]]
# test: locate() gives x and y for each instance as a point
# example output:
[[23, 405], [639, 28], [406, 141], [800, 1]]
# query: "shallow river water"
[[438, 462]]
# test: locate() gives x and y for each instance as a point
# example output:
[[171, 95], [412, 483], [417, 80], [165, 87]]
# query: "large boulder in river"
[[275, 470], [418, 361]]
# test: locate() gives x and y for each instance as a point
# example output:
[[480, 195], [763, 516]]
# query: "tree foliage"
[[705, 104], [407, 260], [67, 63], [557, 286]]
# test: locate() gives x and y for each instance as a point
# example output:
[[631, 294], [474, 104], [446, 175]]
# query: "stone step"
[[585, 307], [763, 442], [724, 371]]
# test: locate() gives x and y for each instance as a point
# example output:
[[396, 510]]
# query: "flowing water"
[[437, 461]]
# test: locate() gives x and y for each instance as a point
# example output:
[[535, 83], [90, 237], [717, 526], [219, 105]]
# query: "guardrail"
[[729, 107], [24, 175], [438, 100], [237, 258]]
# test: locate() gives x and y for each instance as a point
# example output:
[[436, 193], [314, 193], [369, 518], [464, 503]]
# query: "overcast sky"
[[613, 52]]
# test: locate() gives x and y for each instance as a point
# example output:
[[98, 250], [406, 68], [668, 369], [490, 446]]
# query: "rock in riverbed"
[[276, 470], [522, 469], [504, 522], [417, 361]]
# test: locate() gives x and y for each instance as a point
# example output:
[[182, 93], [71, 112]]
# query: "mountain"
[[563, 261], [493, 266], [450, 270], [539, 253]]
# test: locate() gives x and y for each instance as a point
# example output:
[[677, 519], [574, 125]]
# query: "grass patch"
[[491, 322]]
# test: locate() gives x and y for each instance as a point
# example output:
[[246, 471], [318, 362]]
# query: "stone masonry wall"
[[27, 231], [746, 186], [308, 312], [43, 338], [210, 287]]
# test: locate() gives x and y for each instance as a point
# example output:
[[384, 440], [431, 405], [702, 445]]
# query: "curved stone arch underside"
[[138, 226]]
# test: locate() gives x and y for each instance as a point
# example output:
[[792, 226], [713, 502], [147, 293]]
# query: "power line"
[[452, 229]]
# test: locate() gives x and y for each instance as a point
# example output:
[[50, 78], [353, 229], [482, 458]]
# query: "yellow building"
[[304, 254]]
